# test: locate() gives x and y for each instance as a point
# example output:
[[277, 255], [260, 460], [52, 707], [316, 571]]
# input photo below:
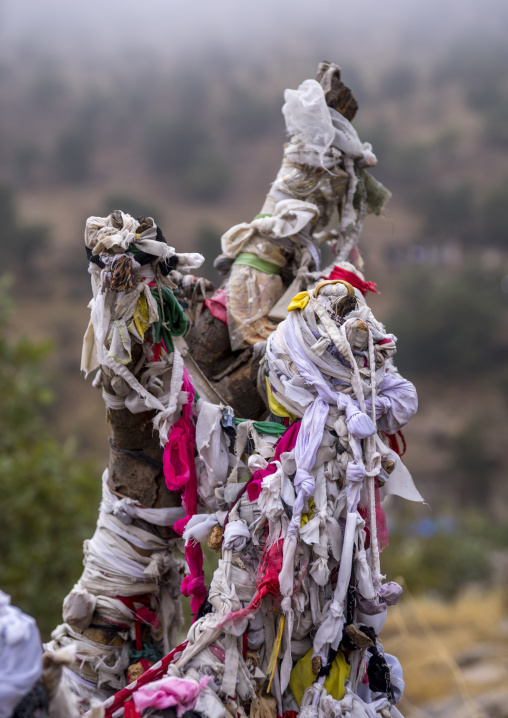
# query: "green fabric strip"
[[252, 260], [263, 214], [266, 427], [172, 321]]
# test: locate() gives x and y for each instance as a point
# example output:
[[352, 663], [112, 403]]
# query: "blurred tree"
[[451, 324], [209, 245], [248, 117], [496, 126], [447, 213], [171, 144], [472, 63], [49, 88], [25, 161], [72, 158], [484, 94], [473, 464], [7, 212], [503, 383], [493, 215], [440, 563], [402, 167], [20, 244], [398, 83], [208, 175], [190, 88], [49, 497]]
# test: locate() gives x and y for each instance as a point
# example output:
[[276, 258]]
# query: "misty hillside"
[[174, 111]]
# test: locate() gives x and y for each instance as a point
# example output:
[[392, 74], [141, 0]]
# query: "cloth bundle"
[[130, 580], [261, 249], [322, 181], [124, 612], [133, 271], [293, 613]]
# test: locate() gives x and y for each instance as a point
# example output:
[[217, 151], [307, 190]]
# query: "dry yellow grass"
[[449, 649]]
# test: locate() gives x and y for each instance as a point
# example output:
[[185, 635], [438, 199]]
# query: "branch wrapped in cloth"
[[297, 598]]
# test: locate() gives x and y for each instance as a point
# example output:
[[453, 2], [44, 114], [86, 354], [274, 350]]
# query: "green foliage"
[[171, 144], [503, 383], [248, 117], [404, 167], [208, 176], [27, 157], [209, 245], [48, 89], [447, 212], [450, 324], [19, 243], [448, 558], [494, 218], [472, 463], [485, 95], [399, 83], [49, 497], [496, 125], [462, 211], [442, 564], [182, 147], [472, 63], [72, 158], [8, 212]]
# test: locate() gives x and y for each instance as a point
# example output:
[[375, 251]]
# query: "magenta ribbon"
[[285, 443], [180, 473]]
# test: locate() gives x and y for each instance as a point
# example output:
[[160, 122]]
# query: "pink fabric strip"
[[152, 674], [180, 473], [285, 443], [217, 304], [169, 692]]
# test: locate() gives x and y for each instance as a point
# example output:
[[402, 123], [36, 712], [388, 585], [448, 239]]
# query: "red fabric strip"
[[393, 442], [130, 710], [382, 529], [354, 279], [152, 674], [268, 583], [286, 442], [141, 615]]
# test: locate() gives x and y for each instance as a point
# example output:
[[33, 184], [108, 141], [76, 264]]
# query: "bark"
[[232, 374], [134, 477]]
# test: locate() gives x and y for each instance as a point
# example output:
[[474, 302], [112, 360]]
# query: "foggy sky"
[[370, 29]]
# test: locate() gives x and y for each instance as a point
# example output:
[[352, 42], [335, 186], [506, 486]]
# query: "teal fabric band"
[[266, 427]]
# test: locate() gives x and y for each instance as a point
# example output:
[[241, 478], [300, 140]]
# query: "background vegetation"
[[194, 137], [49, 496]]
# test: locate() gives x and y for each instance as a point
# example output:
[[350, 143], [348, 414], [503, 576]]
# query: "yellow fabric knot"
[[275, 407], [302, 676], [302, 299], [140, 319], [299, 302], [309, 515], [272, 663]]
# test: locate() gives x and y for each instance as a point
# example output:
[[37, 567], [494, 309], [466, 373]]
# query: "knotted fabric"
[[180, 473]]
